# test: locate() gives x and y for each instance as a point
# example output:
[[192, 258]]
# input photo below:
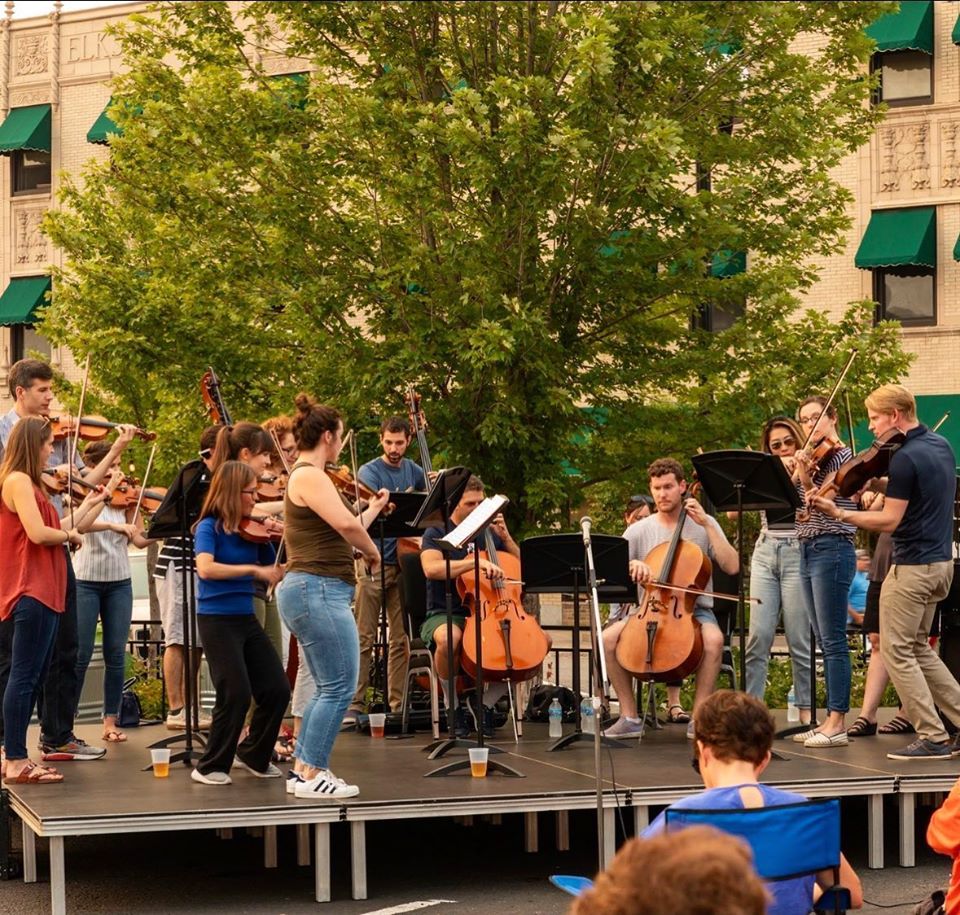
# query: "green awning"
[[909, 29], [21, 298], [103, 126], [300, 83], [728, 263], [26, 128], [956, 31], [899, 238]]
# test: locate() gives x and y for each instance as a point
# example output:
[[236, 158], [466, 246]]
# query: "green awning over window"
[[909, 29], [899, 238], [26, 128], [103, 126], [956, 31], [728, 263], [21, 298]]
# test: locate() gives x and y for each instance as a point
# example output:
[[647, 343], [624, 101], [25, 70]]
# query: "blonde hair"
[[224, 498], [22, 453], [890, 397]]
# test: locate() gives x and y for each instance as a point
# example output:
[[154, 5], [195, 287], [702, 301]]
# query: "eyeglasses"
[[778, 443], [810, 420]]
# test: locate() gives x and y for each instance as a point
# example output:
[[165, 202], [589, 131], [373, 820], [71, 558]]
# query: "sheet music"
[[475, 522]]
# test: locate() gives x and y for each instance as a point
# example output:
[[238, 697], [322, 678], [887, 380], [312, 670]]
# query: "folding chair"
[[413, 600], [788, 841]]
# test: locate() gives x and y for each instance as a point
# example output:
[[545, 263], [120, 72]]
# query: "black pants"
[[243, 665], [60, 692], [61, 687]]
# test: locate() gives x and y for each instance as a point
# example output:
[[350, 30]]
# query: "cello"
[[418, 422], [513, 644], [662, 641]]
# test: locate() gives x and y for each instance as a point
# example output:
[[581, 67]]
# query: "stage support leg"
[[641, 819], [269, 846], [907, 849], [875, 831], [29, 855], [58, 882], [609, 834], [563, 830], [321, 860], [496, 819], [303, 844], [225, 833], [358, 858], [531, 837]]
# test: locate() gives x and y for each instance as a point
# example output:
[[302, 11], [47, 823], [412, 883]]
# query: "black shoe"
[[486, 715], [462, 722]]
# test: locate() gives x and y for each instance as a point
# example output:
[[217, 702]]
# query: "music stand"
[[742, 481], [554, 564], [174, 518], [398, 523]]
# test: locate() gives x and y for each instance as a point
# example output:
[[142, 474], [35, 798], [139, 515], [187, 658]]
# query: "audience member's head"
[[697, 871], [733, 727]]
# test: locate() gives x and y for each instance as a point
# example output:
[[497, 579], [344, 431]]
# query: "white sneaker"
[[205, 721], [270, 772], [176, 722], [325, 786], [293, 779], [211, 778]]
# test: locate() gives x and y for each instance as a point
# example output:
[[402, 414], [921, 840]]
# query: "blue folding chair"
[[788, 841]]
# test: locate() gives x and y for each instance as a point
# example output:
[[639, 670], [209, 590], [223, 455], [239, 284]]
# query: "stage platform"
[[114, 796]]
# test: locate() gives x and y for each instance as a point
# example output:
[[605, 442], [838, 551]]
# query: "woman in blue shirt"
[[243, 664]]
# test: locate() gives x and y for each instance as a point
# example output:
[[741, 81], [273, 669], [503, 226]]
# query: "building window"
[[906, 77], [907, 295], [31, 171], [25, 341], [714, 318]]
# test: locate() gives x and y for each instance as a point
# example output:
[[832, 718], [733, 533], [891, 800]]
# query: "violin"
[[128, 493], [271, 487], [350, 486], [255, 531], [663, 641], [872, 462], [89, 428], [210, 391], [513, 644], [56, 480]]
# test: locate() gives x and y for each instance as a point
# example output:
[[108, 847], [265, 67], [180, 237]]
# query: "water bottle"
[[588, 720], [793, 713], [555, 714]]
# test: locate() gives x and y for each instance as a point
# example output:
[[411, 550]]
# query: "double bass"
[[513, 644], [663, 641]]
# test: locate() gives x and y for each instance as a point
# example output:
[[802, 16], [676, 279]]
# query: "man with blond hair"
[[918, 511]]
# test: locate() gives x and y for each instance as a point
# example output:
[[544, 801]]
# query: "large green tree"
[[524, 209]]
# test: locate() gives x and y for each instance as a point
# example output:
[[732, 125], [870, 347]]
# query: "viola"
[[210, 391], [663, 641], [255, 531], [89, 428], [872, 462], [513, 644]]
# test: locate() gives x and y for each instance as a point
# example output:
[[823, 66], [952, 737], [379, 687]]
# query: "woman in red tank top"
[[33, 584]]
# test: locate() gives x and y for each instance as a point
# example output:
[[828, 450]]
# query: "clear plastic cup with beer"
[[161, 762], [378, 723], [478, 761]]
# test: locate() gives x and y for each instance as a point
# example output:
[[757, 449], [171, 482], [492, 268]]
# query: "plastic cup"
[[478, 761], [161, 762], [378, 721]]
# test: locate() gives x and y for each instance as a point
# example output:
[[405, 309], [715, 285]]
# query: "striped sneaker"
[[325, 786]]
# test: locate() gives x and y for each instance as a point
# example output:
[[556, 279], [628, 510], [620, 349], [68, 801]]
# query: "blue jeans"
[[775, 579], [828, 564], [316, 609], [111, 602], [34, 633]]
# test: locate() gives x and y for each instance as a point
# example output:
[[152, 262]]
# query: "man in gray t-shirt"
[[669, 489]]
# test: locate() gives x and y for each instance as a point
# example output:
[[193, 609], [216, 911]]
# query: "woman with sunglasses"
[[827, 566], [775, 579], [243, 663]]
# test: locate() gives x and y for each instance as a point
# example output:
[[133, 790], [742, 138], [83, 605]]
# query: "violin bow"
[[143, 485], [72, 450], [853, 441], [941, 421], [283, 460], [833, 394]]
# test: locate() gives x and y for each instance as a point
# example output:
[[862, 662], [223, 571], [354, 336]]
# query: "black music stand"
[[398, 523], [476, 523], [740, 481], [555, 564], [175, 517]]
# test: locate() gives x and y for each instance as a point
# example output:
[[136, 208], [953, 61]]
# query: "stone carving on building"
[[23, 97], [904, 158], [950, 154], [32, 55], [31, 243]]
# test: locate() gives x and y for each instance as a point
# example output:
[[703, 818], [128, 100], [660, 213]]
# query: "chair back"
[[413, 592]]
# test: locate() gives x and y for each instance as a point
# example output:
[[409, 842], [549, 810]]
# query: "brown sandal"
[[897, 725], [32, 774], [112, 735], [677, 715]]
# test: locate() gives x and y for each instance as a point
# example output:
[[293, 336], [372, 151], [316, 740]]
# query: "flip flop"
[[677, 715], [114, 736], [897, 725], [32, 774]]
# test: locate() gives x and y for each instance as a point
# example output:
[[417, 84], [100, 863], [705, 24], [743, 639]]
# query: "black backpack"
[[542, 697]]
